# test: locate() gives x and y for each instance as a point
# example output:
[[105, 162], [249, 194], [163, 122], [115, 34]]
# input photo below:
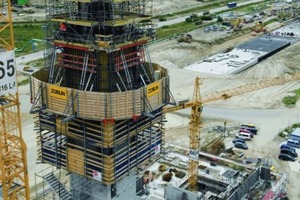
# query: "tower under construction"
[[99, 98]]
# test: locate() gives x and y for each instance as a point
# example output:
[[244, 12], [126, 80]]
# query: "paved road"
[[269, 121], [20, 61], [182, 19]]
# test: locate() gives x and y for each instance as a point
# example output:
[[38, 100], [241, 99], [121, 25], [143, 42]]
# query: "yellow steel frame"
[[196, 105], [13, 165], [196, 108], [6, 25], [195, 125]]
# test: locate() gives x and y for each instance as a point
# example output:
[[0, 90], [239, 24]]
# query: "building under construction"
[[99, 98]]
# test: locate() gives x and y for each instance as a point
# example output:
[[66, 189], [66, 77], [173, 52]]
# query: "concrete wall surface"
[[173, 193]]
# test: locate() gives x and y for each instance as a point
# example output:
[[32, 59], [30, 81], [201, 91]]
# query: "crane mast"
[[13, 166], [194, 126], [196, 109]]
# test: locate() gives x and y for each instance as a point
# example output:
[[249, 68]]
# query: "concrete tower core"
[[99, 98]]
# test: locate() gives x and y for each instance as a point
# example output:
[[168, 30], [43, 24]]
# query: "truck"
[[231, 5]]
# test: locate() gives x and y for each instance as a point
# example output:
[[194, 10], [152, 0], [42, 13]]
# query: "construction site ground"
[[262, 107]]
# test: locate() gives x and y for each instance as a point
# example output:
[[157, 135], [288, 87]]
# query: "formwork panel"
[[99, 106], [53, 148], [36, 88], [75, 161], [91, 105], [112, 149], [57, 98]]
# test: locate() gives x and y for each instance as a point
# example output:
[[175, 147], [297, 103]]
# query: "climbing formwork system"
[[99, 98]]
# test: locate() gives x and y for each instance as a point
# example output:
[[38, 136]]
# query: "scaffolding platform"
[[99, 98]]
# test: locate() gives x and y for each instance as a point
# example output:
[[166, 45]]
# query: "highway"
[[20, 61], [182, 19]]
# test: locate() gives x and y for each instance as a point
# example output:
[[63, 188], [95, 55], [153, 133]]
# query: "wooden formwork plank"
[[75, 161], [122, 104], [108, 166], [157, 100], [35, 85], [58, 102], [80, 148], [91, 104], [61, 127], [58, 106], [108, 133]]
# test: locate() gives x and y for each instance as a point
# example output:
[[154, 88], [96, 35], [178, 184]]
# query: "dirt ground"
[[176, 56], [170, 6]]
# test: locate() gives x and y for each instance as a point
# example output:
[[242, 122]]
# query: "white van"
[[293, 143], [243, 135]]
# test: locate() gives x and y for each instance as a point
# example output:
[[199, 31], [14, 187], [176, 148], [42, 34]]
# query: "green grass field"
[[24, 33]]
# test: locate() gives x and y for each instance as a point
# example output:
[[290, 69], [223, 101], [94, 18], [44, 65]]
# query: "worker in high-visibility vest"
[[63, 29]]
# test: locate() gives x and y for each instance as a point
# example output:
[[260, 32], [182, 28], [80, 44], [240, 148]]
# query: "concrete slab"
[[285, 31], [249, 53], [266, 43], [227, 63]]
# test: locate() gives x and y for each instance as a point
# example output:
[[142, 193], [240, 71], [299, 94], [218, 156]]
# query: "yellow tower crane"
[[196, 109], [13, 166], [195, 125]]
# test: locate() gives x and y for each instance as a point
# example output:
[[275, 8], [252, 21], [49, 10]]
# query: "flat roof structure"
[[292, 27], [266, 44], [227, 63], [215, 181], [249, 53]]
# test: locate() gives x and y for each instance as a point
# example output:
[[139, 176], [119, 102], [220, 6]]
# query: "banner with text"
[[153, 89], [8, 73], [58, 92]]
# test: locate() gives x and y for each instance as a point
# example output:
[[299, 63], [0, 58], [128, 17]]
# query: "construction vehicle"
[[196, 108], [186, 38], [236, 24], [13, 166], [259, 27]]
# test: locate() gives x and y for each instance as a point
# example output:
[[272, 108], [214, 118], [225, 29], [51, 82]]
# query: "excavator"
[[186, 38], [259, 27], [196, 105], [236, 24]]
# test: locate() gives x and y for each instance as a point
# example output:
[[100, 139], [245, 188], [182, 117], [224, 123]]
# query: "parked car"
[[242, 130], [293, 143], [244, 136], [285, 146], [249, 127], [286, 157], [28, 69], [238, 140], [240, 145], [289, 152]]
